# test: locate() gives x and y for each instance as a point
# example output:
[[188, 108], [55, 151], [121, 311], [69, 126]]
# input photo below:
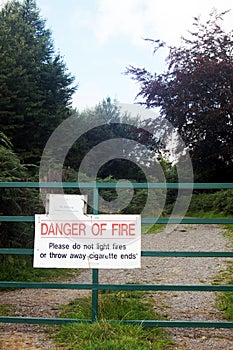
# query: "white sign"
[[87, 241], [66, 203]]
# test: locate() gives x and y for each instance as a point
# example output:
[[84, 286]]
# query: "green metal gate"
[[95, 286]]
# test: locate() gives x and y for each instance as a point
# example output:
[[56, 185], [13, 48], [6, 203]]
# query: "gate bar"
[[196, 254], [144, 323], [105, 286], [174, 185], [6, 218]]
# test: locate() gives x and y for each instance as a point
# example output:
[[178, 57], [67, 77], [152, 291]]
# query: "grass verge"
[[155, 228], [20, 268], [225, 300], [104, 335], [7, 310]]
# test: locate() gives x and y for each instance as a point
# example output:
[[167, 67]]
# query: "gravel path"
[[177, 305]]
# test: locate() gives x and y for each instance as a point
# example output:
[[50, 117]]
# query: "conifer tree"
[[35, 86]]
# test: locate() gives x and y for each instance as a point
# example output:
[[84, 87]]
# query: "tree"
[[36, 88], [112, 124], [15, 201], [195, 94]]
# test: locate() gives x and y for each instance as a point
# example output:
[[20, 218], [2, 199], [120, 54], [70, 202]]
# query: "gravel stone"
[[195, 306]]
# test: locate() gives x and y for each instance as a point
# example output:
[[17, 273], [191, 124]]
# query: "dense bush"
[[16, 201], [219, 202]]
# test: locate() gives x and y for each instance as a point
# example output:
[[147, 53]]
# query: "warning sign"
[[87, 241]]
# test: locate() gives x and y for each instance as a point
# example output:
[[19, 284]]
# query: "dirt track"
[[178, 305]]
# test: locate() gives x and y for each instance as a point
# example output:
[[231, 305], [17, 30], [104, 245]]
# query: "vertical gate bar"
[[95, 272], [95, 200], [95, 279]]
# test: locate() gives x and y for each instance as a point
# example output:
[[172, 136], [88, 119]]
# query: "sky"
[[99, 39]]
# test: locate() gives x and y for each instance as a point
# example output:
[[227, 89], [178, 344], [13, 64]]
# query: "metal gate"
[[95, 286]]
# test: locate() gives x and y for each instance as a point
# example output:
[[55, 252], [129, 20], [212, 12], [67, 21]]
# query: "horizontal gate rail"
[[122, 184], [144, 323], [144, 221], [15, 251], [95, 286]]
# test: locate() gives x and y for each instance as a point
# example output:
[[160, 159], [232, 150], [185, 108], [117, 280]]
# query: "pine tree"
[[35, 87]]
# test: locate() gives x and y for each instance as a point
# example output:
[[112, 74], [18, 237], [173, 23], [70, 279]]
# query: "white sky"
[[100, 38]]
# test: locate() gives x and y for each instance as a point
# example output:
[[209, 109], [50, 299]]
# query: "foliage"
[[106, 335], [171, 176], [101, 123], [121, 200], [218, 202], [195, 95], [15, 201], [105, 122], [35, 86], [7, 310], [202, 205], [5, 141], [35, 95], [225, 300], [10, 167], [155, 228], [20, 268]]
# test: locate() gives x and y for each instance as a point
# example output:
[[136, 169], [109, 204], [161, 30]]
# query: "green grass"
[[20, 268], [104, 335], [155, 228], [7, 310], [229, 233], [206, 214]]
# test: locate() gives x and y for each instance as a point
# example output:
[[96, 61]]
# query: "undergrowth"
[[217, 202], [225, 299], [7, 309], [105, 335], [155, 228], [20, 268]]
